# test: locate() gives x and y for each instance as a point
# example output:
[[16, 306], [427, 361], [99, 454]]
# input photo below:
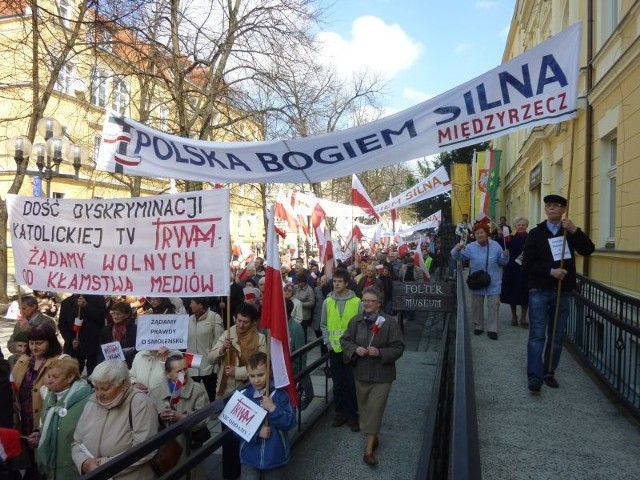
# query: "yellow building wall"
[[562, 150]]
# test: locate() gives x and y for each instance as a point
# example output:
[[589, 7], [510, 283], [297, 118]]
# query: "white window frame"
[[64, 10], [99, 80], [120, 95], [611, 187], [66, 79]]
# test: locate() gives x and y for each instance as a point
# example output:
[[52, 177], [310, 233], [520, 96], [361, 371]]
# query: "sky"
[[421, 47]]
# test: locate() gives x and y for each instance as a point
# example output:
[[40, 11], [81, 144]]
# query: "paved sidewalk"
[[327, 453], [573, 432]]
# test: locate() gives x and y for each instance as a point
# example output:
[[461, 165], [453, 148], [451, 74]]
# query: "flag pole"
[[564, 245], [78, 316], [474, 182], [268, 361]]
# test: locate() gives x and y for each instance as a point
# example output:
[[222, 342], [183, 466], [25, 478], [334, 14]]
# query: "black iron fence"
[[603, 331]]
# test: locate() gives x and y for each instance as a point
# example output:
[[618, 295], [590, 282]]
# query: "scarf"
[[117, 399], [47, 452], [118, 331], [249, 343]]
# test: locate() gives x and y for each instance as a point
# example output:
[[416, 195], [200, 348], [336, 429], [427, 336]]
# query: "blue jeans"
[[542, 304], [453, 268]]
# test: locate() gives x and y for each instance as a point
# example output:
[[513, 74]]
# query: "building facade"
[[593, 160]]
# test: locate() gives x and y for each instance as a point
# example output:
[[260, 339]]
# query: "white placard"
[[155, 331], [555, 244], [112, 351], [158, 246], [242, 416]]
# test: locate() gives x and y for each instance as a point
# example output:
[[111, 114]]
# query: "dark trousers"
[[209, 383], [230, 456], [344, 388], [89, 360]]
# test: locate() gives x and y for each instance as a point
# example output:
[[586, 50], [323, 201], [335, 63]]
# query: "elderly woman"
[[147, 370], [515, 288], [116, 418], [371, 344], [484, 254], [232, 351], [192, 397], [63, 406], [123, 330]]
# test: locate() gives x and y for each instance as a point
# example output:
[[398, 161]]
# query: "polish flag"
[[300, 218], [12, 382], [360, 198], [194, 360], [175, 394], [283, 211], [329, 259], [506, 234], [403, 248], [77, 324], [274, 317], [318, 223], [418, 261]]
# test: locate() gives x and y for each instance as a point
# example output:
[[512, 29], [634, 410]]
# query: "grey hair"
[[520, 218], [374, 291], [110, 371]]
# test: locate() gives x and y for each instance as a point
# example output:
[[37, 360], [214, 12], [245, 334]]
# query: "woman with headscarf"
[[116, 418], [123, 330], [63, 406]]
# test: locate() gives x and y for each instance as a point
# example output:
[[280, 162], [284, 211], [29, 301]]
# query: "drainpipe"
[[589, 134]]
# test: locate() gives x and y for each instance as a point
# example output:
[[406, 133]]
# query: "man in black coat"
[[547, 271], [92, 309]]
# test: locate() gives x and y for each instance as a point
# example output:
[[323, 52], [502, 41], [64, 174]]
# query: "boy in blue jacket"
[[268, 451]]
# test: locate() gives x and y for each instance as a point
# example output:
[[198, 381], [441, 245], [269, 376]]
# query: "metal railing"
[[451, 447], [193, 458], [603, 330]]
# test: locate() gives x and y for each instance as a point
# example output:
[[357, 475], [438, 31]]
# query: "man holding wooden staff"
[[549, 258]]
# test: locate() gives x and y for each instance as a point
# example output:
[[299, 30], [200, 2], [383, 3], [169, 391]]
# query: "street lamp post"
[[49, 155]]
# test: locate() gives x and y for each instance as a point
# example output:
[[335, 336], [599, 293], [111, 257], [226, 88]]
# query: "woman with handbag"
[[174, 402], [484, 255], [116, 418]]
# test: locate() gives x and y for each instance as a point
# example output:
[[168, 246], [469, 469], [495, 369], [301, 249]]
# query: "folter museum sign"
[[433, 297]]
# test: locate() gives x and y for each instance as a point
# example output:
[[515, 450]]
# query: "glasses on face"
[[369, 300]]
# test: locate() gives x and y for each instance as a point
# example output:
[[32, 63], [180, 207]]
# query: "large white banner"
[[435, 184], [432, 221], [536, 88], [160, 246]]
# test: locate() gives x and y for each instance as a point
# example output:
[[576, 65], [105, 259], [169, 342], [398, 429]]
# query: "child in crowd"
[[269, 449]]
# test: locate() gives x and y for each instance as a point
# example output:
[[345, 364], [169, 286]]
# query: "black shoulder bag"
[[480, 278]]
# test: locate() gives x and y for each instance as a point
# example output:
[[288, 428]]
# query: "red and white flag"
[[12, 382], [177, 388], [506, 234], [194, 360], [77, 324], [403, 248], [274, 317], [283, 211], [360, 198], [329, 259], [319, 224], [300, 218]]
